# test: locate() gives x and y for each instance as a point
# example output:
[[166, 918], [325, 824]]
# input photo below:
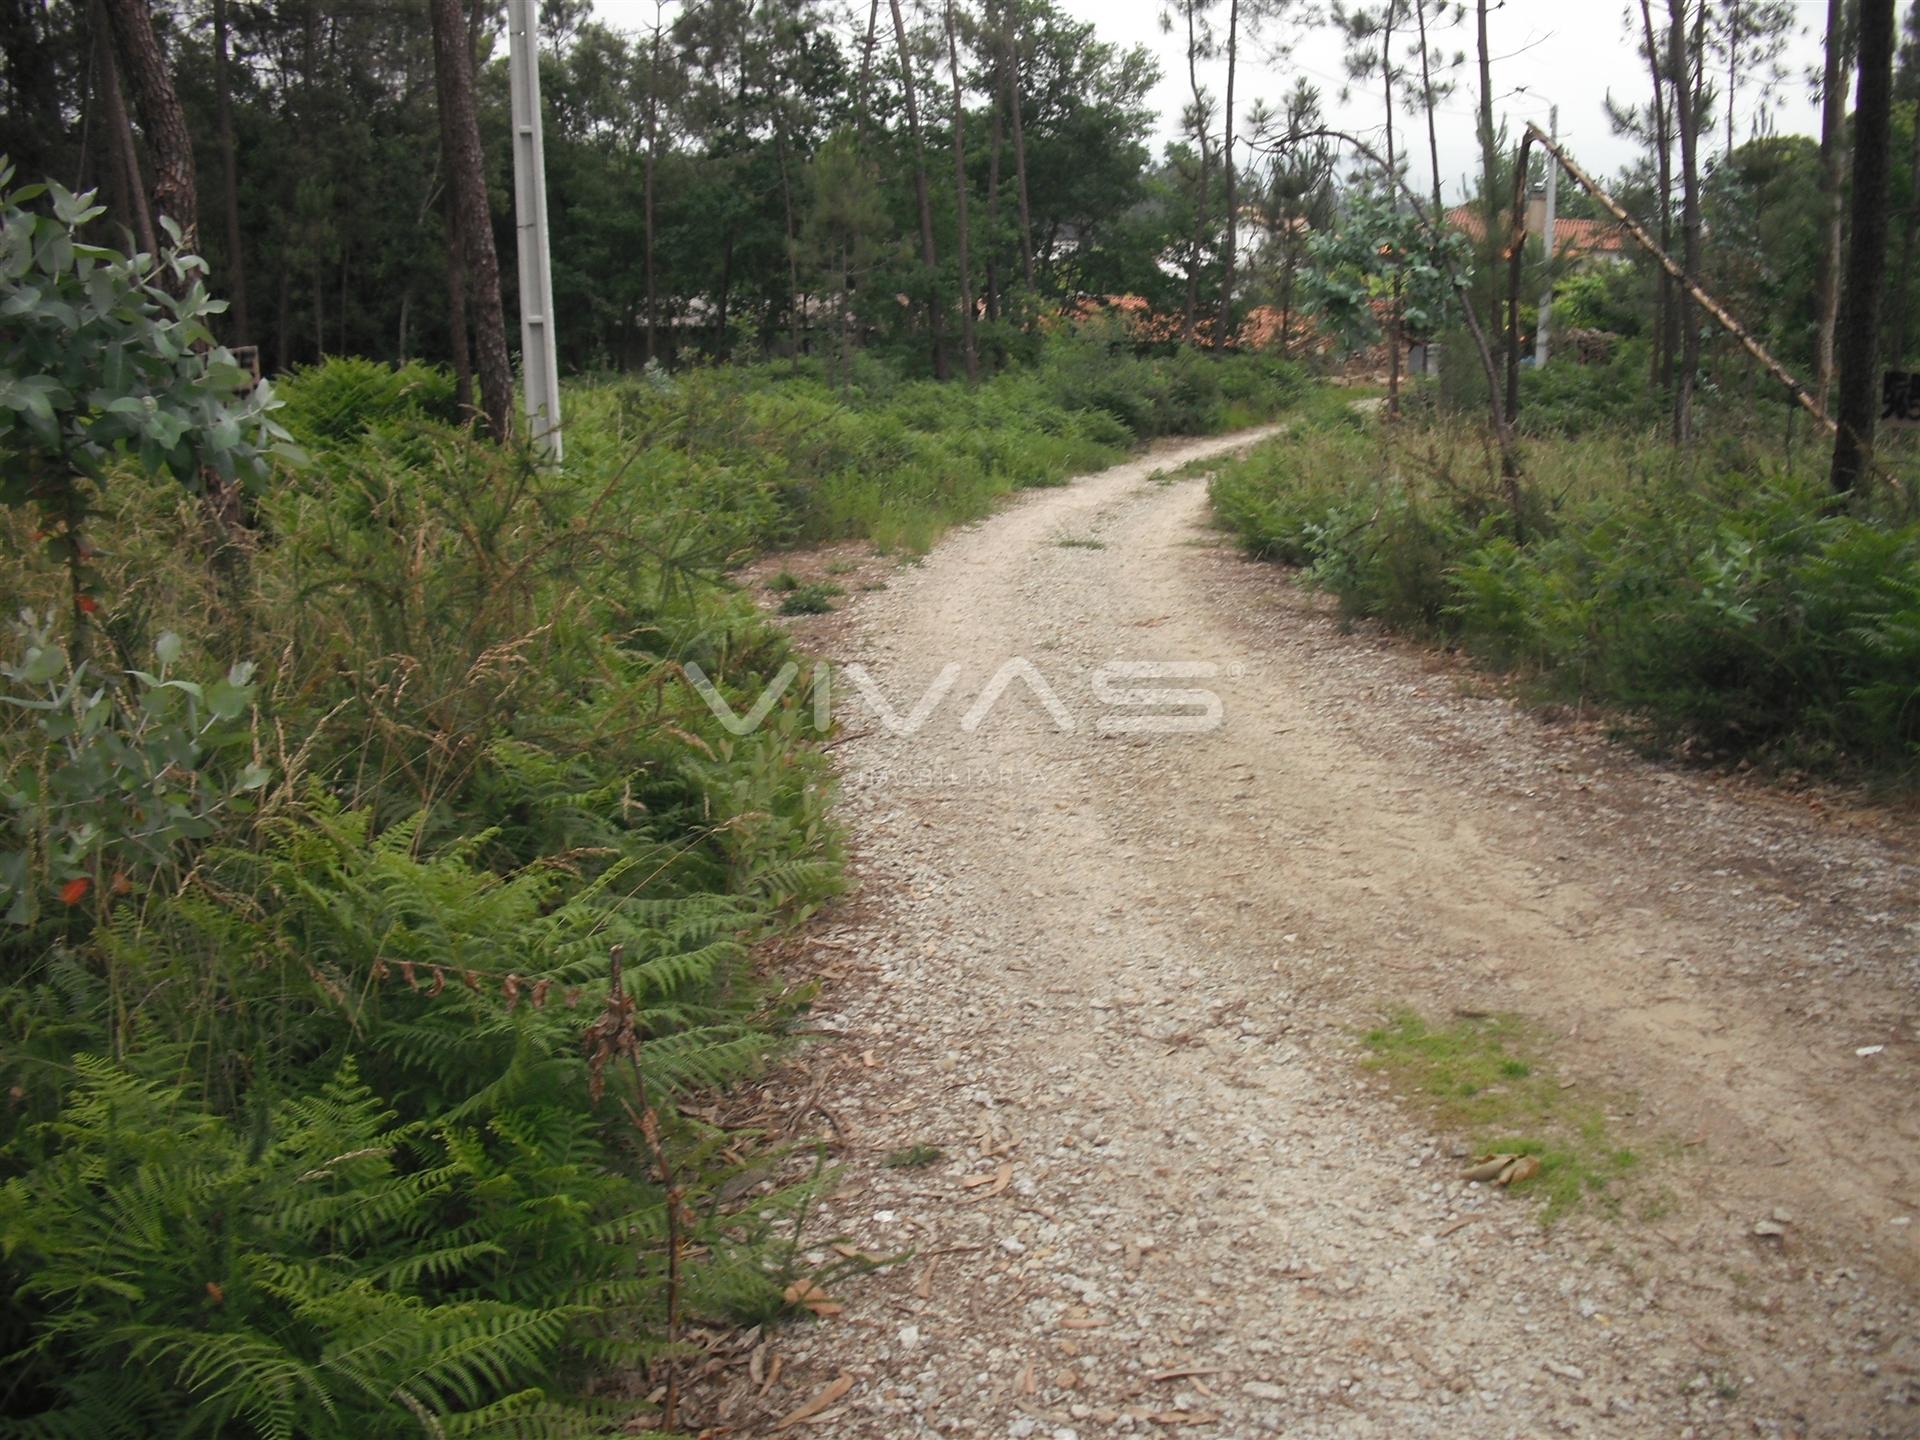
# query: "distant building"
[[1572, 239]]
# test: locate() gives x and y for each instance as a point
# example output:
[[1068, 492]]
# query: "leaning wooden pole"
[[1718, 312]]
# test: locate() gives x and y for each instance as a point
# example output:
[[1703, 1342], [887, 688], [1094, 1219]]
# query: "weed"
[[843, 567], [812, 599], [1483, 1077], [914, 1157], [784, 582], [1080, 542]]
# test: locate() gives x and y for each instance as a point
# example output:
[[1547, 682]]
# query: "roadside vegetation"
[[1715, 597], [344, 756]]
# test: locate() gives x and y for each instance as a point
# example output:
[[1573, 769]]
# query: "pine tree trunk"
[[998, 139], [969, 353], [1489, 175], [1909, 243], [1833, 172], [1393, 198], [1733, 66], [1433, 129], [929, 256], [1201, 181], [1019, 145], [1680, 57], [235, 280], [467, 191], [124, 163], [283, 329], [169, 143], [652, 163], [796, 303], [457, 339], [1666, 339], [1223, 333], [862, 107], [1857, 408]]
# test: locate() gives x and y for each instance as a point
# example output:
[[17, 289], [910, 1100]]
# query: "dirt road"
[[1116, 980]]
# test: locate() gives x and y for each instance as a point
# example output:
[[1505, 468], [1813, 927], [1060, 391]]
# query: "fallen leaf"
[[1184, 1417], [1523, 1168], [818, 1403], [1488, 1167], [805, 1292], [1082, 1323], [1188, 1373], [1866, 1050], [1026, 1384], [995, 1183], [925, 1288]]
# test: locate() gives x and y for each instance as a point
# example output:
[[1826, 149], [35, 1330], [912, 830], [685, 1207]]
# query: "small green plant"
[[843, 567], [783, 583], [812, 599], [914, 1157], [1080, 542], [1485, 1077]]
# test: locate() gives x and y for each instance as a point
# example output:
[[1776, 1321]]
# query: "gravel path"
[[1116, 980]]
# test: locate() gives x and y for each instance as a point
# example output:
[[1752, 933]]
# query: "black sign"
[[1900, 398]]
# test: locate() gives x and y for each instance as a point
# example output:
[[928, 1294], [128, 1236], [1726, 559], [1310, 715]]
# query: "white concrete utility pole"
[[539, 353], [1546, 294]]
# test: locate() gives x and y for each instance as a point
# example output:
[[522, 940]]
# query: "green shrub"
[[341, 399], [1729, 611]]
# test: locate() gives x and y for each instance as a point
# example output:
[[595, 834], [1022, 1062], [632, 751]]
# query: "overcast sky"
[[1546, 52]]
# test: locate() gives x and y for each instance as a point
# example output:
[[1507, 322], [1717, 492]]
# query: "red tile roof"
[[1576, 237]]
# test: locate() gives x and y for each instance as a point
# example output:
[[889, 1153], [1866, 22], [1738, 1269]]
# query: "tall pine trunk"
[[169, 143], [458, 341], [997, 141], [1909, 243], [1224, 332], [1680, 67], [968, 352], [124, 163], [1393, 199], [234, 282], [1859, 372], [929, 256], [1666, 340], [1201, 180], [1489, 174], [1433, 129], [652, 164], [1011, 15], [1833, 171], [467, 193]]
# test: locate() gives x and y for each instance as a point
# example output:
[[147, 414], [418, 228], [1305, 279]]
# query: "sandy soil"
[[1117, 980]]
